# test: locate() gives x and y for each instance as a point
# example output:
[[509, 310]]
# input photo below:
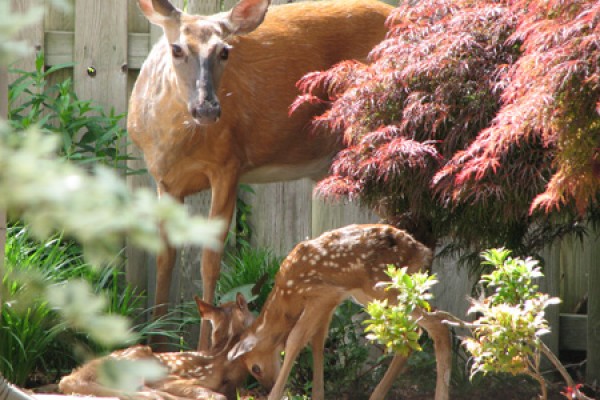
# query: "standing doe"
[[190, 375], [313, 280], [210, 106]]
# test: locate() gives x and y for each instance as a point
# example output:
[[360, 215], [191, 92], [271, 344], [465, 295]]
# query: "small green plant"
[[506, 336], [87, 134], [392, 324]]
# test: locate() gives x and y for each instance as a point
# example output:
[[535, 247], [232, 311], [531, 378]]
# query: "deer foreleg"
[[318, 345], [164, 272], [312, 319], [440, 334], [222, 206], [388, 379]]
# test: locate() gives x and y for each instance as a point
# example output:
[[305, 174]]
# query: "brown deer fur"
[[210, 106]]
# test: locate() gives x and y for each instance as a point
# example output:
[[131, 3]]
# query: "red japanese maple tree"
[[475, 119]]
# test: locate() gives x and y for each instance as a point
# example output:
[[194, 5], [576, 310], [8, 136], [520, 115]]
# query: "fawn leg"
[[388, 379], [318, 345], [440, 334], [309, 322]]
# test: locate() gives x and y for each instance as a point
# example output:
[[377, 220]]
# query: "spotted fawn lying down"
[[190, 375]]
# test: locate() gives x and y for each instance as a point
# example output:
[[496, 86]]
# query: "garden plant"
[[506, 335]]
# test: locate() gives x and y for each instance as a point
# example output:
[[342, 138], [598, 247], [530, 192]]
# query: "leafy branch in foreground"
[[97, 209], [393, 325], [506, 336]]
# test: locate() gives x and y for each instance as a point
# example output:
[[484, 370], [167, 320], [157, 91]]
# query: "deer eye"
[[224, 54], [177, 51], [256, 370]]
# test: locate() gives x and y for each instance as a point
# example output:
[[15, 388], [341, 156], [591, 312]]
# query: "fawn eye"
[[256, 370], [224, 54], [177, 51]]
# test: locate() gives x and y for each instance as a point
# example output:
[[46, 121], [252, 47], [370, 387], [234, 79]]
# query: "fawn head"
[[198, 51], [262, 357], [229, 320]]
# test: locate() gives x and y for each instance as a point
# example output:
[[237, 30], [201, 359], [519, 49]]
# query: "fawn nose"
[[207, 112]]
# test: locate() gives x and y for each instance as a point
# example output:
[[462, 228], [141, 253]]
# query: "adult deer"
[[191, 375], [317, 276], [210, 106]]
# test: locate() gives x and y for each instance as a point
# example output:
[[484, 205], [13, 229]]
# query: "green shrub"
[[33, 340], [87, 134], [250, 271]]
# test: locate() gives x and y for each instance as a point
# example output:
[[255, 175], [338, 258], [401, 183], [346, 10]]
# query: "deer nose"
[[207, 112]]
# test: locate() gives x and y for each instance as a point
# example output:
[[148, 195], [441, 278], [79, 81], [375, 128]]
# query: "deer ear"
[[160, 12], [246, 16], [241, 301], [206, 311], [242, 347]]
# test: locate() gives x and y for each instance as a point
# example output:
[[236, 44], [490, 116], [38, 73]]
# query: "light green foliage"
[[93, 207], [506, 337], [126, 375], [392, 324], [250, 271], [97, 209]]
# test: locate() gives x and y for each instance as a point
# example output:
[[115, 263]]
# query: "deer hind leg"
[[311, 320], [187, 389], [440, 334], [386, 383]]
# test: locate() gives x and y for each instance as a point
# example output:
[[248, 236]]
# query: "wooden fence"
[[113, 38]]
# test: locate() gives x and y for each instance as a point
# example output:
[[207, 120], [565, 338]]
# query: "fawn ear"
[[242, 347], [241, 301], [206, 311]]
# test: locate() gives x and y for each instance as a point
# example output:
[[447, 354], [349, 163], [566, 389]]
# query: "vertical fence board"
[[58, 20], [204, 7], [33, 35], [551, 285], [327, 216], [574, 273], [281, 214], [101, 44], [593, 312]]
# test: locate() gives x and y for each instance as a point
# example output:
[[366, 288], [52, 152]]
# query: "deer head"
[[228, 320], [262, 359], [197, 50]]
